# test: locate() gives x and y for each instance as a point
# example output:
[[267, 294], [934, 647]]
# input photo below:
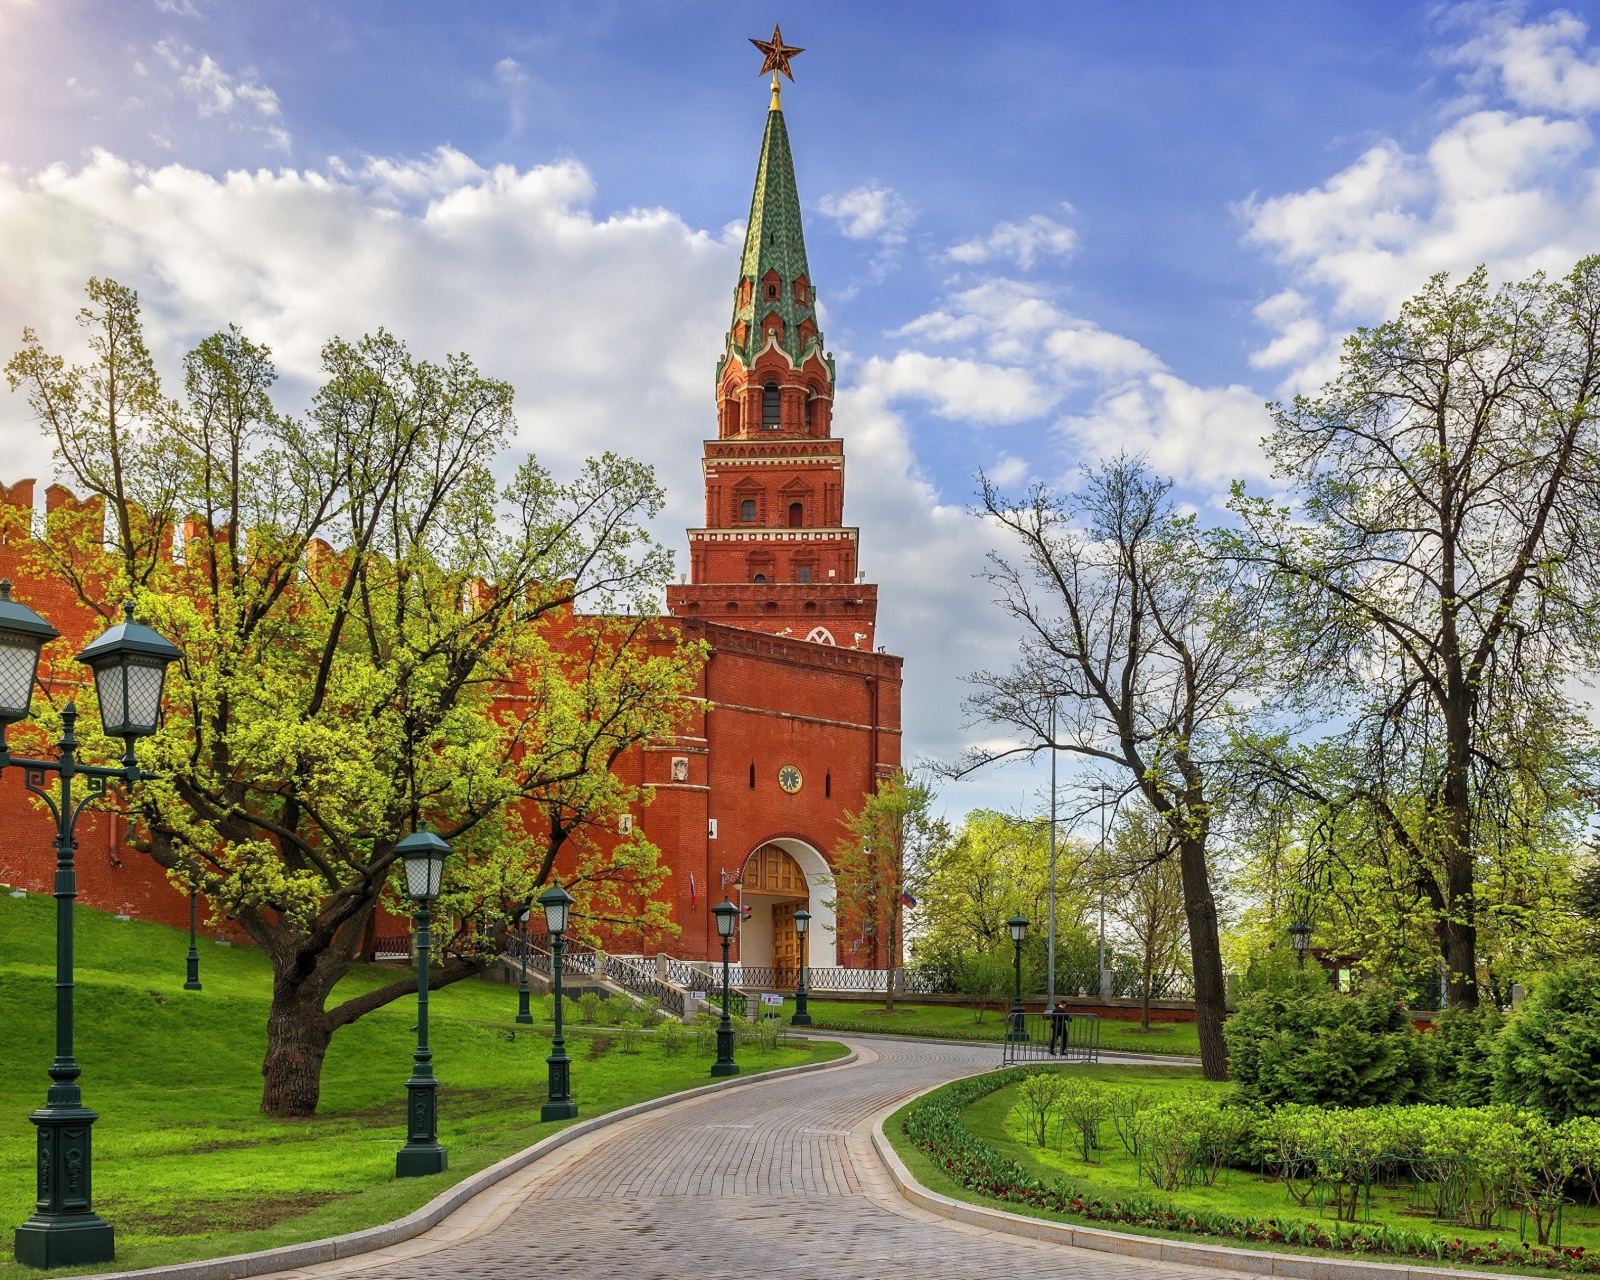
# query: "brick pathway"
[[775, 1181]]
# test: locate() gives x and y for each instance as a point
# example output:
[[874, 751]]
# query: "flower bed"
[[935, 1125]]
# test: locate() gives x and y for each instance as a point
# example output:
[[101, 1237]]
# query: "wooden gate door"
[[785, 944]]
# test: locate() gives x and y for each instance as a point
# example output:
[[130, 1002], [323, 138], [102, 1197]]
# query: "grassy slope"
[[957, 1022], [1114, 1174], [185, 1164]]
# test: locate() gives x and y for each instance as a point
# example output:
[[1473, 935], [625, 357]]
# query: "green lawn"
[[187, 1167], [1113, 1175], [948, 1021]]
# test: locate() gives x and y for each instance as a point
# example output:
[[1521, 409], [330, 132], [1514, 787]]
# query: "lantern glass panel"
[[802, 922], [108, 684], [555, 917], [19, 660], [1019, 928], [144, 676], [727, 916], [424, 875]]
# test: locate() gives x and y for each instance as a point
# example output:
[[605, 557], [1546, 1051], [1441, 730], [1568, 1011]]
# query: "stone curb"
[[1120, 1058], [289, 1257], [1152, 1248]]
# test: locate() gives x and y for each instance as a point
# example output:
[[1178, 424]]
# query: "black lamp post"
[[192, 982], [727, 921], [130, 667], [557, 904], [1019, 1026], [802, 926], [423, 854], [1300, 939], [523, 1015]]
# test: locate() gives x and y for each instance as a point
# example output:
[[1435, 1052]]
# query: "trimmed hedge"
[[934, 1124]]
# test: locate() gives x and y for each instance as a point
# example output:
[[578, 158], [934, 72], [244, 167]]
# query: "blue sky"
[[1040, 232]]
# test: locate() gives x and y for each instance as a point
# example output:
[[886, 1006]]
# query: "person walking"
[[1059, 1017]]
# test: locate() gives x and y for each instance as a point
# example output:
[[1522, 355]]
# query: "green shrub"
[[672, 1037], [1462, 1048], [1547, 1055], [1298, 1040], [588, 1007]]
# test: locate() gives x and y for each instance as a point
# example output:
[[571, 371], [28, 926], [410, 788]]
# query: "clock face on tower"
[[789, 778]]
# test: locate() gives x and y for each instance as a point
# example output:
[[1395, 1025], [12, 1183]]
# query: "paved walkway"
[[778, 1181]]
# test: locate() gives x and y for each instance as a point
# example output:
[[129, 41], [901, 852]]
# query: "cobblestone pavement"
[[774, 1181]]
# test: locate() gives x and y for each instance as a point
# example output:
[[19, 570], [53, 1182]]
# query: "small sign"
[[768, 997], [697, 995]]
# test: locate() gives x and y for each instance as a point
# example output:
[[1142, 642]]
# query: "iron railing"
[[1041, 1037], [632, 975], [391, 946]]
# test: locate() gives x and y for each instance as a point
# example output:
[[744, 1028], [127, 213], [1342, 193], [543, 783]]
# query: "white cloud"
[[1021, 242], [1540, 65], [1206, 436], [956, 388], [242, 98], [869, 213], [508, 71], [1022, 357], [1511, 182], [509, 265]]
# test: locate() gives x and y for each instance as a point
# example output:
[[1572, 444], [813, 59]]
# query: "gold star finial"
[[775, 58]]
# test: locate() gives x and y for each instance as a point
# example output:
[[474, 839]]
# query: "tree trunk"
[[894, 940], [297, 1041], [1205, 950]]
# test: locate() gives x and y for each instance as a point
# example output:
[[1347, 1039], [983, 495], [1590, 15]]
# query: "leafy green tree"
[[1293, 1039], [374, 634], [1436, 576], [1144, 893], [1547, 1055], [890, 843], [996, 866]]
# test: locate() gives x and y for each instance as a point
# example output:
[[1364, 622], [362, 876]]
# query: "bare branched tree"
[[1150, 650]]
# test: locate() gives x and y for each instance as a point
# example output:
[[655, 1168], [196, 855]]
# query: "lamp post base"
[[800, 1020], [64, 1240], [561, 1109], [418, 1160], [724, 1068]]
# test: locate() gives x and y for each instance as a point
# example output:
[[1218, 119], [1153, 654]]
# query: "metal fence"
[[1041, 1037], [632, 975]]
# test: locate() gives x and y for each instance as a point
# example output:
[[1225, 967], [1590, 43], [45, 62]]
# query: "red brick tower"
[[775, 554]]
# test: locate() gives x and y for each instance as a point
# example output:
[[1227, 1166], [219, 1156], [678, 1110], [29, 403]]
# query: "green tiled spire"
[[774, 241]]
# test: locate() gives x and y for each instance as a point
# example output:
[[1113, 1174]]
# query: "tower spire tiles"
[[775, 554]]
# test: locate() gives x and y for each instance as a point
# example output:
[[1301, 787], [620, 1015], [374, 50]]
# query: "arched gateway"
[[780, 876]]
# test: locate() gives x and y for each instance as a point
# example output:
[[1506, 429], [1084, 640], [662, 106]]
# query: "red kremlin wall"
[[764, 702]]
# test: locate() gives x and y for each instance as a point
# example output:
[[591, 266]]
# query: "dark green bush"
[[1462, 1048], [1547, 1055], [1296, 1039]]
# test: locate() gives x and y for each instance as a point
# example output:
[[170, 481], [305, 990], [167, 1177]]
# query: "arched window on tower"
[[752, 776], [760, 577], [747, 510], [771, 414], [797, 514], [810, 400]]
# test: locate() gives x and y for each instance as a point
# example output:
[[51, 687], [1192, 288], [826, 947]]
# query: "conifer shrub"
[[1462, 1048], [1547, 1055], [1294, 1039]]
